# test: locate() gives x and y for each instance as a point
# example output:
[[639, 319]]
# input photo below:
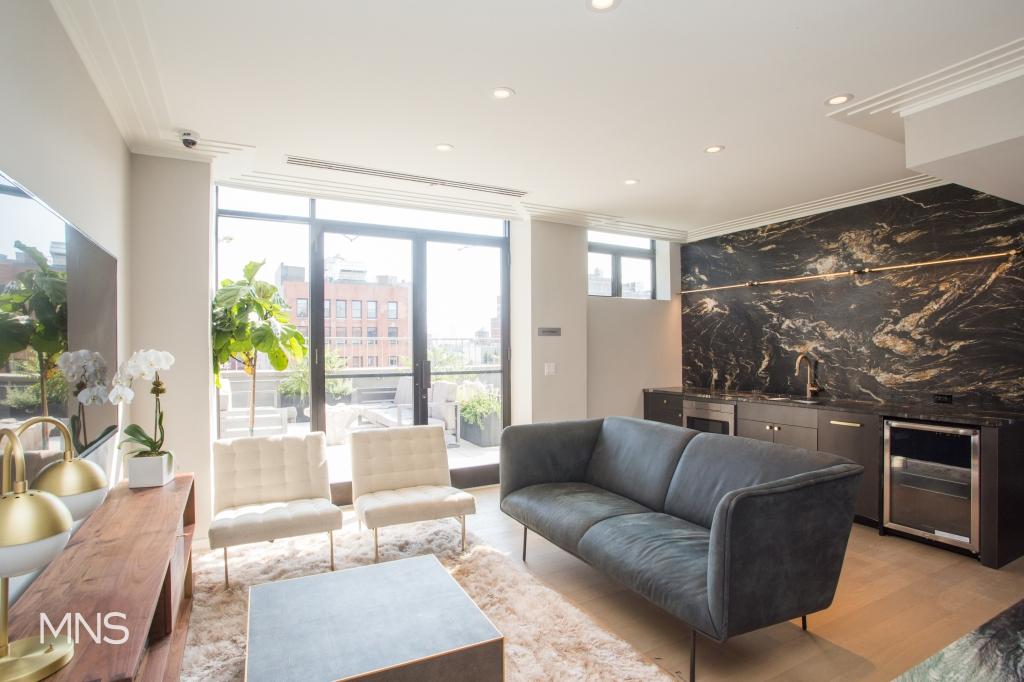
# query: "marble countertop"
[[957, 413]]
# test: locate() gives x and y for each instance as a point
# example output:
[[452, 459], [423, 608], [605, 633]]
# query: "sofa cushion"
[[273, 520], [713, 465], [636, 458], [660, 556], [562, 512], [418, 503]]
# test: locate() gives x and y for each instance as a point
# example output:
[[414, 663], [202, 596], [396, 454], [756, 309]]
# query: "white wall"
[[632, 345], [548, 289], [59, 139], [610, 348], [172, 278]]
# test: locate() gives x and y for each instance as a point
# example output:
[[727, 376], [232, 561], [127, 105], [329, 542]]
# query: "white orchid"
[[121, 394], [143, 365], [83, 369], [93, 395]]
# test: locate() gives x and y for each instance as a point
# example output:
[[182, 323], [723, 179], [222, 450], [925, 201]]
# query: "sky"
[[32, 223]]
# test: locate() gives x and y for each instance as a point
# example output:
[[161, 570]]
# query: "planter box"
[[150, 472], [483, 436]]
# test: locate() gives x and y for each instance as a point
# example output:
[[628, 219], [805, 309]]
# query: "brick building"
[[367, 323]]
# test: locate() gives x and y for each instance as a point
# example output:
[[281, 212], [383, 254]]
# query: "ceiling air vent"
[[359, 170]]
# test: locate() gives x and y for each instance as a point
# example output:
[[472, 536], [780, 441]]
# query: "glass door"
[[366, 365], [464, 349]]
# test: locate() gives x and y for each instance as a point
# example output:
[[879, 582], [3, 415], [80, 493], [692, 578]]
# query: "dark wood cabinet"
[[857, 437], [748, 428], [795, 426], [663, 407]]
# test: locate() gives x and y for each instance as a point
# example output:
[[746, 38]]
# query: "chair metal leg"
[[524, 544], [226, 567], [803, 622], [330, 539], [693, 655], [376, 546], [462, 521]]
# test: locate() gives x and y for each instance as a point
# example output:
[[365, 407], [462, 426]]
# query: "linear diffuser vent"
[[344, 168]]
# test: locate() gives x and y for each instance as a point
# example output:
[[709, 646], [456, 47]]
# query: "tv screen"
[[58, 295]]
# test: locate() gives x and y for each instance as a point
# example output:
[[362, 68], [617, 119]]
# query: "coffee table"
[[399, 620]]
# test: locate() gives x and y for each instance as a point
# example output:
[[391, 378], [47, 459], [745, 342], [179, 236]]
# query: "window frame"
[[617, 253], [371, 309]]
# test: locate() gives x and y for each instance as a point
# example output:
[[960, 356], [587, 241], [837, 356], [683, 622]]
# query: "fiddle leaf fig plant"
[[33, 315], [250, 317]]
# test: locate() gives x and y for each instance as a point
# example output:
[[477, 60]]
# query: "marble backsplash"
[[899, 336]]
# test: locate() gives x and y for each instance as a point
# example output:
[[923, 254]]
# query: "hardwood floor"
[[898, 602]]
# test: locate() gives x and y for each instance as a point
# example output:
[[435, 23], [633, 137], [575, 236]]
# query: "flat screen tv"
[[61, 286]]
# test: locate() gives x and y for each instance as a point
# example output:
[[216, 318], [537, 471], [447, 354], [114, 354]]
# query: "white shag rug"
[[546, 637]]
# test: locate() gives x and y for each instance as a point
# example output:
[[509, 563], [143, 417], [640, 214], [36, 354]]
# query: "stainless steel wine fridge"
[[930, 474]]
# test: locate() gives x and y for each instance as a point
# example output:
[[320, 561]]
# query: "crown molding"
[[883, 112], [860, 196]]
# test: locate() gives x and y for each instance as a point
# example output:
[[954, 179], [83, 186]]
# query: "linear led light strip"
[[860, 271]]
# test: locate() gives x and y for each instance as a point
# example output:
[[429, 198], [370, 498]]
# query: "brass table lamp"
[[34, 528], [80, 484]]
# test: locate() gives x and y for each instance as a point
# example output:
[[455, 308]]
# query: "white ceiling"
[[637, 92]]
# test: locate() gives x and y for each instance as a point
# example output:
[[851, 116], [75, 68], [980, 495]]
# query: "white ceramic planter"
[[150, 472]]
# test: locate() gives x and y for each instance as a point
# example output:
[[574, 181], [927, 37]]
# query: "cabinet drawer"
[[746, 428], [857, 437], [796, 436], [664, 407], [778, 414]]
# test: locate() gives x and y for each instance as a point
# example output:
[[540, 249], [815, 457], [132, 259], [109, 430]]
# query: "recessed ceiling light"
[[601, 5], [631, 181], [838, 99], [715, 148], [444, 147], [502, 93]]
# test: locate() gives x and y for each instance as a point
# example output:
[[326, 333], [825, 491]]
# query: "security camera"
[[189, 139]]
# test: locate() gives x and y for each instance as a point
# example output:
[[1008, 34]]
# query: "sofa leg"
[[524, 544], [803, 622], [462, 522], [330, 540], [376, 546], [226, 567], [693, 655]]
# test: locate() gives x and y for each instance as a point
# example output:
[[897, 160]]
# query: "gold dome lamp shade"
[[34, 528], [80, 484]]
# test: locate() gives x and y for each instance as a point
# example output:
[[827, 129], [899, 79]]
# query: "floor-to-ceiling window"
[[404, 312]]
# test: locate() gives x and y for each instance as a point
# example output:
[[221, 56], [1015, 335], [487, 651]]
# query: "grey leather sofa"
[[725, 533]]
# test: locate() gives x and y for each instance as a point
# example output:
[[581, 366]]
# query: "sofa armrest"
[[556, 452], [777, 548]]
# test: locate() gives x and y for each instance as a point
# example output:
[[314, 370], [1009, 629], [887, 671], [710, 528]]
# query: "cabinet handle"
[[767, 427], [776, 428], [838, 422], [664, 402], [679, 414]]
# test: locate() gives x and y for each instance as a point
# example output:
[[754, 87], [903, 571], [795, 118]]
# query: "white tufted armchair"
[[271, 487], [400, 475]]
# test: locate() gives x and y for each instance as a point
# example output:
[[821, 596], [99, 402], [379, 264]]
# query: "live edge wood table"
[[133, 556]]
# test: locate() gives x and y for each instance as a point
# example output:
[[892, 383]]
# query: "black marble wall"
[[899, 336]]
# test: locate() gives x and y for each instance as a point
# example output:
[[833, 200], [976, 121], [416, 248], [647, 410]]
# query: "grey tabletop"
[[333, 626]]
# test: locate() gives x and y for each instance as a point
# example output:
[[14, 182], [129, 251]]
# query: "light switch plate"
[[550, 369]]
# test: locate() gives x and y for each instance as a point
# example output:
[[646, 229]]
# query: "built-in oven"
[[710, 417], [930, 481]]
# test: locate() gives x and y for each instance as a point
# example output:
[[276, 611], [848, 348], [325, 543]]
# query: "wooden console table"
[[133, 556]]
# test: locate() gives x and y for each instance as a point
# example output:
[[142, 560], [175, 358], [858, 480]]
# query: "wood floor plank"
[[898, 602]]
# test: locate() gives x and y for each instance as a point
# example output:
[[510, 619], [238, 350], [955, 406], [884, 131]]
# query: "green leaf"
[[278, 358], [15, 333], [251, 268], [33, 253]]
